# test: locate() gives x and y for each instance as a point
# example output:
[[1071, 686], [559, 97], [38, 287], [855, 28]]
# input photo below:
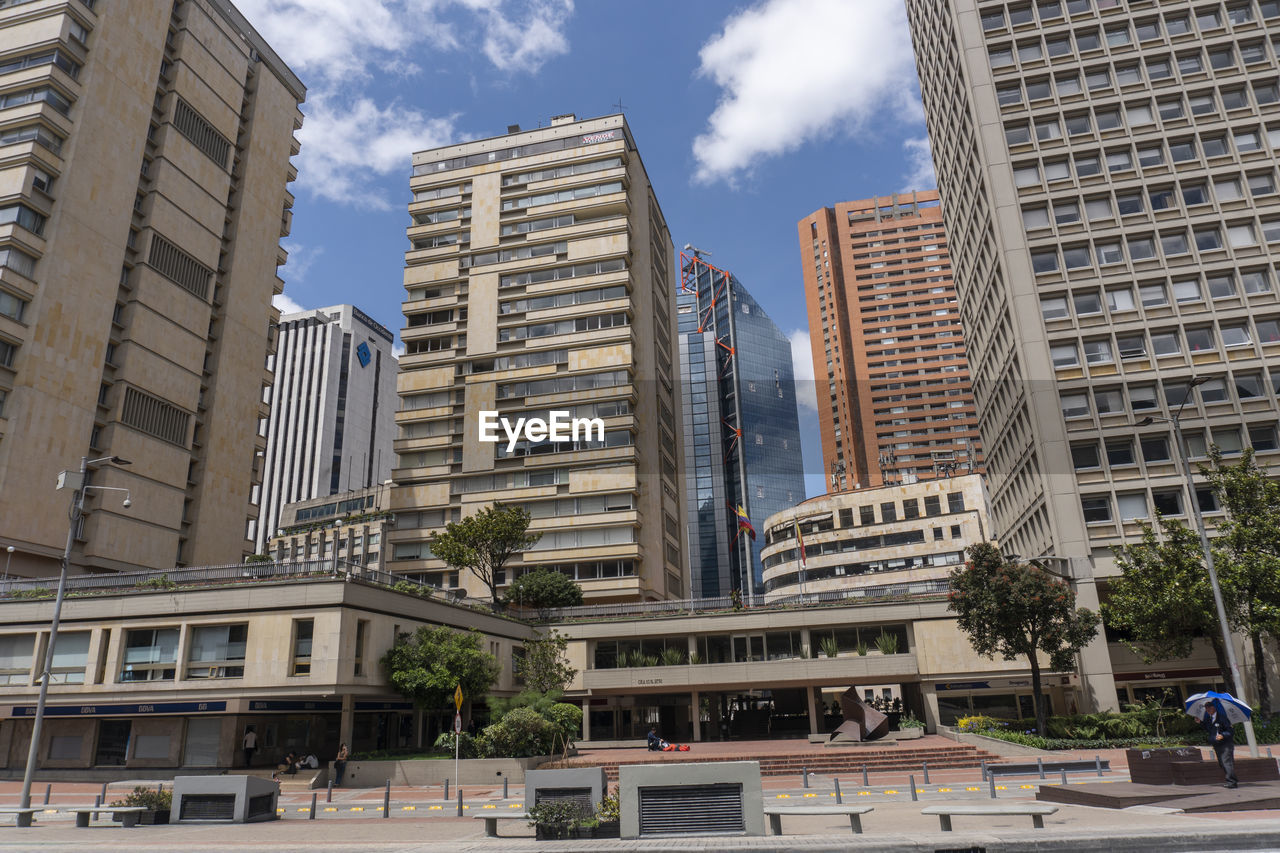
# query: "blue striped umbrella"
[[1228, 705]]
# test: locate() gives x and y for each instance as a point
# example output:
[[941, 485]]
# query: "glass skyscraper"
[[742, 445]]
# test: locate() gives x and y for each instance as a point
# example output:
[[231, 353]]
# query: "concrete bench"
[[128, 814], [1036, 811], [1027, 768], [775, 813], [24, 814], [491, 821]]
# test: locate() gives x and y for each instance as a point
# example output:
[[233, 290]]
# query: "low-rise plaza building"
[[349, 527], [166, 671]]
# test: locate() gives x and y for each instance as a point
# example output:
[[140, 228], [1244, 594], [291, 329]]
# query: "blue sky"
[[747, 117]]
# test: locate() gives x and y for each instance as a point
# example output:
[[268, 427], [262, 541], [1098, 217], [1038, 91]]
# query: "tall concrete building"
[[333, 409], [741, 426], [1109, 187], [540, 279], [144, 158], [896, 405]]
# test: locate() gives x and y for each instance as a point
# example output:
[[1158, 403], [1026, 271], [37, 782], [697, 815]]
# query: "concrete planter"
[[433, 771], [908, 734]]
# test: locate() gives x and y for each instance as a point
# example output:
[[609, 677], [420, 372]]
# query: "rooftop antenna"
[[619, 106], [697, 253]]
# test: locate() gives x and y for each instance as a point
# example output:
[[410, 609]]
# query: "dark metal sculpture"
[[861, 721]]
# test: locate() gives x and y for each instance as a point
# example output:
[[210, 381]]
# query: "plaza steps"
[[843, 761]]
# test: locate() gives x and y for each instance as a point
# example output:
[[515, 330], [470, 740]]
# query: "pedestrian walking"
[[249, 745], [1222, 740]]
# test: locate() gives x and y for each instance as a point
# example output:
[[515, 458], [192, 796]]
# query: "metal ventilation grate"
[[692, 810], [208, 807], [263, 804]]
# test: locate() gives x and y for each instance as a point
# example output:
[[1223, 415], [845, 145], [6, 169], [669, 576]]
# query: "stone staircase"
[[843, 761]]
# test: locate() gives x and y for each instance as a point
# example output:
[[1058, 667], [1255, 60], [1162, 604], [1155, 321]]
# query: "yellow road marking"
[[512, 806], [408, 808], [304, 809], [330, 808], [357, 808], [811, 795], [1024, 787], [891, 792], [864, 793], [1001, 788], [435, 808], [488, 807], [944, 790]]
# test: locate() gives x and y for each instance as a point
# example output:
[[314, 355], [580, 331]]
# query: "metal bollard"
[[1268, 752], [804, 776], [913, 787], [48, 792], [1040, 764], [992, 780], [102, 798], [984, 770], [386, 801], [328, 798], [446, 789], [459, 801], [312, 816], [160, 788], [1097, 763], [925, 764], [839, 799], [97, 801], [865, 783], [505, 782]]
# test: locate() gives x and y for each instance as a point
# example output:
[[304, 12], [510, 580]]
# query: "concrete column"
[[419, 725], [815, 720], [693, 646], [930, 696], [806, 644], [346, 723], [695, 716], [586, 719], [1097, 680]]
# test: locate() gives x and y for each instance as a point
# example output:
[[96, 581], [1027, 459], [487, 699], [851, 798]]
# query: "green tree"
[[427, 666], [1246, 554], [1162, 597], [543, 590], [546, 663], [1015, 610], [482, 543]]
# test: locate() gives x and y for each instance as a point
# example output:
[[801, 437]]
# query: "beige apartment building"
[[144, 159], [540, 279], [1108, 179], [885, 332], [346, 529], [909, 534]]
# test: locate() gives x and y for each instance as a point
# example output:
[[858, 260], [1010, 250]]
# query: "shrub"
[[411, 588], [907, 721], [673, 656], [610, 809], [887, 644], [467, 747], [558, 816], [522, 733], [830, 647], [161, 582], [34, 592], [978, 723], [147, 798], [862, 649]]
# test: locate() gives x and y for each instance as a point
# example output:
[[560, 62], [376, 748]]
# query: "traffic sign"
[[457, 698], [457, 723]]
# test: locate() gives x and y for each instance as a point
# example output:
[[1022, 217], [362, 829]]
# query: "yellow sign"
[[457, 698]]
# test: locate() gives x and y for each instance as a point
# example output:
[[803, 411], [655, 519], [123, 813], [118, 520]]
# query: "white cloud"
[[397, 350], [796, 70], [802, 365], [285, 304], [301, 259], [349, 138], [347, 141], [920, 160]]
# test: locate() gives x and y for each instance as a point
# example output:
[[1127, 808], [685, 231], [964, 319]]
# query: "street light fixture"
[[1184, 463], [76, 481], [8, 559]]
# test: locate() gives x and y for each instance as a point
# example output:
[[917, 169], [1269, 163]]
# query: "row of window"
[[151, 654], [562, 300], [1207, 238], [39, 94], [32, 133], [563, 171], [518, 253], [1207, 18], [539, 276], [613, 438], [1090, 163], [1145, 397], [897, 564], [571, 194], [1226, 189], [1119, 452], [563, 327], [1164, 342], [1218, 284]]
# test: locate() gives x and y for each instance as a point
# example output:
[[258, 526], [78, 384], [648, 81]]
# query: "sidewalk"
[[892, 827]]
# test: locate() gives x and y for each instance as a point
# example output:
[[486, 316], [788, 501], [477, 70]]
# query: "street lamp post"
[[77, 510], [1184, 464], [8, 558]]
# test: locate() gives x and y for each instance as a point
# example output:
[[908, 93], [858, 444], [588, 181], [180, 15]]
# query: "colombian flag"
[[800, 545], [744, 523]]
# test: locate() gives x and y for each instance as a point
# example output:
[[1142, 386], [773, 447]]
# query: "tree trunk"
[[1260, 672], [1037, 701]]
